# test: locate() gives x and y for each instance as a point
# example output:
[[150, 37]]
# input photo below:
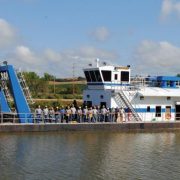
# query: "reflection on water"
[[90, 155]]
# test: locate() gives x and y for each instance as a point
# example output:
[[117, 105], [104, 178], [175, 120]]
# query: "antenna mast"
[[97, 62]]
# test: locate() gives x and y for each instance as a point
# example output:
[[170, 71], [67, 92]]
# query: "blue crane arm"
[[21, 104], [4, 105]]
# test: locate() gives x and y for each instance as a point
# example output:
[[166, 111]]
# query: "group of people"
[[78, 114]]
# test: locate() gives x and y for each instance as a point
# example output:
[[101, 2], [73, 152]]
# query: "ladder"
[[25, 88], [123, 102], [4, 78]]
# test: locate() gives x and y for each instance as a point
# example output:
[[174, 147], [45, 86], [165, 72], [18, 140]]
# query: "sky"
[[55, 36]]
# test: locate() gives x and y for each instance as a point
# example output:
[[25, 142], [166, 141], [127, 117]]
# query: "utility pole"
[[73, 71], [54, 86]]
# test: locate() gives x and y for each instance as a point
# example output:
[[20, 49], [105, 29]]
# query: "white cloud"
[[52, 56], [90, 52], [58, 63], [48, 60], [24, 54], [100, 34], [157, 58], [169, 7], [8, 34]]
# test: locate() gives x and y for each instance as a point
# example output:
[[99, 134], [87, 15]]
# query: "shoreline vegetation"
[[51, 91]]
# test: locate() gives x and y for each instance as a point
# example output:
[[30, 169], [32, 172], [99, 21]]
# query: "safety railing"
[[112, 117], [15, 117]]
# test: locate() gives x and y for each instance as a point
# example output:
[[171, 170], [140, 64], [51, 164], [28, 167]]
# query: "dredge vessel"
[[148, 98]]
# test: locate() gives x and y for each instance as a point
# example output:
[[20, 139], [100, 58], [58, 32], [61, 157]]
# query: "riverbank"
[[121, 127]]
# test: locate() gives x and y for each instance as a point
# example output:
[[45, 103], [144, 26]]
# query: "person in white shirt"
[[51, 114], [46, 114], [103, 113], [68, 114], [38, 112], [95, 114], [79, 115], [85, 114], [73, 112]]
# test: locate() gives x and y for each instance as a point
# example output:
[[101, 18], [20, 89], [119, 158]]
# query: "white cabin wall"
[[153, 102], [96, 97]]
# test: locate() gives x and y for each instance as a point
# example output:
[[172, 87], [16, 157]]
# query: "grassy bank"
[[60, 94], [55, 102]]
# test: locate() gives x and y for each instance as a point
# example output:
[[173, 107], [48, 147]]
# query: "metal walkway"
[[25, 88]]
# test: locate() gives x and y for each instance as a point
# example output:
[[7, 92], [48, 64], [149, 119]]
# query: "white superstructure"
[[146, 98]]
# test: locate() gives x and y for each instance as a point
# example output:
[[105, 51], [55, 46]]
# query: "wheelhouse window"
[[98, 76], [106, 75], [158, 111], [124, 75], [93, 77], [88, 78]]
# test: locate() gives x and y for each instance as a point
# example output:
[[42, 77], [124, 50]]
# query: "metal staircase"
[[4, 79], [122, 101], [25, 88]]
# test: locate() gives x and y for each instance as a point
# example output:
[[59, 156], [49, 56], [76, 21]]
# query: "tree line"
[[41, 88]]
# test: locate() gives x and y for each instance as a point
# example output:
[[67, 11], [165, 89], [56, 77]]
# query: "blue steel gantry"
[[20, 101]]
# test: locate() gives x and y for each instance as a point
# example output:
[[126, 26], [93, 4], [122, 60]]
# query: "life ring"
[[168, 116]]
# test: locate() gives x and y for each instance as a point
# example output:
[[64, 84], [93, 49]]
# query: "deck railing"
[[86, 118]]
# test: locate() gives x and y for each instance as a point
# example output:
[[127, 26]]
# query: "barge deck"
[[120, 127]]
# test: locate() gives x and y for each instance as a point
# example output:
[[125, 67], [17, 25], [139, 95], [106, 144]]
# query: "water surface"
[[90, 155]]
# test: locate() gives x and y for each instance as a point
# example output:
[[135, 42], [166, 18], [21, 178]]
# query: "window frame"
[[106, 77], [98, 76], [88, 77], [125, 78], [158, 111]]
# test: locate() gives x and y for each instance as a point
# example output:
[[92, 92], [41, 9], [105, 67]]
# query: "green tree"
[[49, 77], [36, 84]]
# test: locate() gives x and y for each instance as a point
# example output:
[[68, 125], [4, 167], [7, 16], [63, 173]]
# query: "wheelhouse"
[[107, 76]]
